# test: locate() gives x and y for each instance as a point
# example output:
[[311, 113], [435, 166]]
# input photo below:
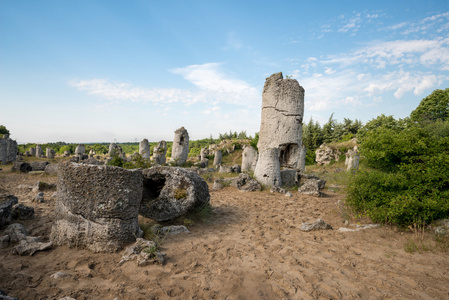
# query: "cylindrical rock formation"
[[80, 149], [268, 170], [97, 206], [39, 151], [218, 156], [281, 124], [180, 148], [249, 158], [169, 192], [144, 149], [159, 153]]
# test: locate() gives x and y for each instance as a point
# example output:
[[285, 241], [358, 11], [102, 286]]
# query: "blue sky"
[[99, 71]]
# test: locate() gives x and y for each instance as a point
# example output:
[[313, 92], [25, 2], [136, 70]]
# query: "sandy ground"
[[250, 248]]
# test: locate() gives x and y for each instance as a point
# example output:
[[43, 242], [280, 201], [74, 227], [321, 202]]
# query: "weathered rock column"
[[159, 153], [8, 150], [96, 207], [39, 151], [169, 192], [352, 159], [204, 153], [281, 126], [50, 153], [218, 156], [180, 148], [268, 169], [144, 149], [249, 158], [80, 150]]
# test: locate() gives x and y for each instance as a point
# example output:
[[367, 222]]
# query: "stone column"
[[144, 149], [281, 125], [180, 148], [159, 153], [218, 156], [249, 158]]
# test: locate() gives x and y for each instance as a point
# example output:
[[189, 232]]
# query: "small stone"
[[39, 197], [317, 225]]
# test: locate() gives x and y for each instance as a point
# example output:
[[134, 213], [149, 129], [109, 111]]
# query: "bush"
[[410, 176]]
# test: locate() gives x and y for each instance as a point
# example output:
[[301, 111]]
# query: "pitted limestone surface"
[[97, 206], [169, 192]]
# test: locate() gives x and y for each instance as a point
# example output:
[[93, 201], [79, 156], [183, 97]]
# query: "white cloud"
[[353, 24], [212, 86], [427, 52]]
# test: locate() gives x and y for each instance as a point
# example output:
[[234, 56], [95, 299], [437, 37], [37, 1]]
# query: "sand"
[[249, 248]]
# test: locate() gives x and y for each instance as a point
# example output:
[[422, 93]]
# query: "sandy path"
[[251, 248]]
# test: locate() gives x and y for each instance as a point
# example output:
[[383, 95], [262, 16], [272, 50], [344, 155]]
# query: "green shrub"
[[410, 176]]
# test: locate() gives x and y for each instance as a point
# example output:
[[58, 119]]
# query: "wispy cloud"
[[436, 23], [211, 86], [364, 76]]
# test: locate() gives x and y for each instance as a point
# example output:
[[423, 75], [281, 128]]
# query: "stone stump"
[[249, 158], [218, 156], [169, 192], [50, 153], [268, 170], [159, 153], [39, 151], [352, 159], [144, 149], [204, 153], [180, 148], [8, 150], [96, 206], [80, 150]]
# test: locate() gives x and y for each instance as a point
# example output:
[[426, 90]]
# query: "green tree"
[[433, 107], [3, 130]]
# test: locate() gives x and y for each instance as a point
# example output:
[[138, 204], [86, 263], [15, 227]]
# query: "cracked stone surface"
[[96, 206], [180, 148], [280, 128]]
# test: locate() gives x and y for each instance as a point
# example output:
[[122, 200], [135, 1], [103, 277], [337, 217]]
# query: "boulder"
[[22, 167], [6, 205], [289, 177], [22, 212], [326, 154], [39, 165], [169, 192], [224, 169], [39, 197], [236, 169], [312, 185], [317, 225], [245, 183], [16, 232], [144, 251], [96, 207], [51, 169]]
